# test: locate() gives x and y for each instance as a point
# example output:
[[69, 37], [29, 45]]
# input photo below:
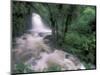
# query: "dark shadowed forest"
[[73, 28]]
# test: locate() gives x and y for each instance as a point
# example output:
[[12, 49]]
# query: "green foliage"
[[80, 39], [54, 68], [82, 46], [81, 24], [21, 68], [89, 65]]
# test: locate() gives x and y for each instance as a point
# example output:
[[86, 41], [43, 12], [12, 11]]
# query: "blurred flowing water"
[[29, 48], [38, 26]]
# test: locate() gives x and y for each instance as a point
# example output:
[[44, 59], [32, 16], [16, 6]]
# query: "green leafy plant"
[[22, 68], [54, 68]]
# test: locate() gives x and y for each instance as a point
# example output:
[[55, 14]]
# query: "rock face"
[[32, 50]]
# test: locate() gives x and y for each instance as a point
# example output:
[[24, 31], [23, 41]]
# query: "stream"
[[32, 50]]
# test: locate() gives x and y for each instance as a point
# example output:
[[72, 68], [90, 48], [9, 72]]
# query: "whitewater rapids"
[[31, 50]]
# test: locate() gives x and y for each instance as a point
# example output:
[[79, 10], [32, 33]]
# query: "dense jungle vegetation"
[[73, 26]]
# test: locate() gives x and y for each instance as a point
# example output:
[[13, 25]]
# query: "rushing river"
[[32, 50]]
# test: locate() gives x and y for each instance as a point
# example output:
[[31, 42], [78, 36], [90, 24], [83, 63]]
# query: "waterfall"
[[32, 50], [38, 27]]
